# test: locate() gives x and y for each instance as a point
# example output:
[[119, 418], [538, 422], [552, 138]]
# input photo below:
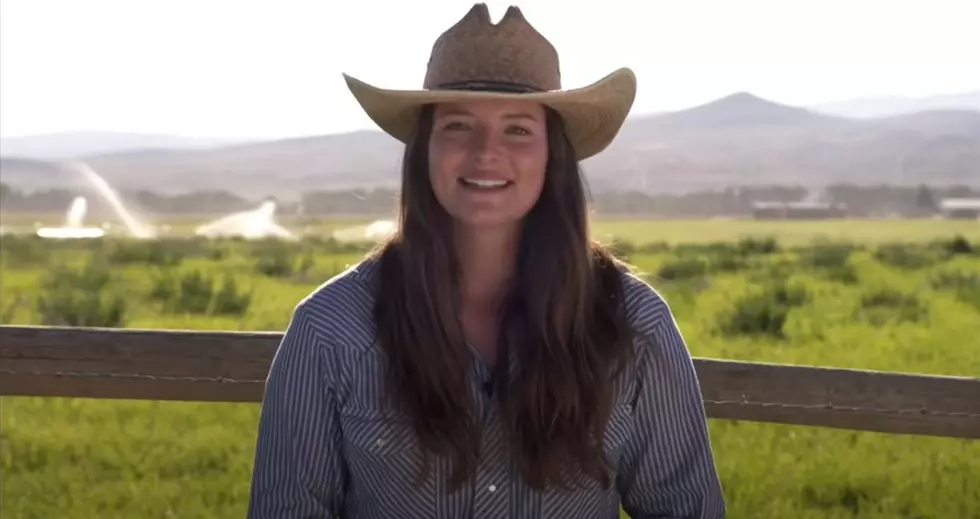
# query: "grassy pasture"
[[888, 295]]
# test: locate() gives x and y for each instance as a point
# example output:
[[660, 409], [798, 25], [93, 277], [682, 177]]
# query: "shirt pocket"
[[376, 433], [384, 464]]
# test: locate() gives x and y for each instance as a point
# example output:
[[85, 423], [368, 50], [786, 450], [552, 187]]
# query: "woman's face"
[[487, 160]]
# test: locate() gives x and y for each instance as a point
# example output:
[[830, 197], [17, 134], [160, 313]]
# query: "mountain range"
[[887, 106], [740, 139]]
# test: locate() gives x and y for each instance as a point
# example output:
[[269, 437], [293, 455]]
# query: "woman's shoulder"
[[343, 305], [354, 284], [646, 309]]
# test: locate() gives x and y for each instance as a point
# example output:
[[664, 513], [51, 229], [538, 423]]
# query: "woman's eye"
[[518, 130], [454, 126]]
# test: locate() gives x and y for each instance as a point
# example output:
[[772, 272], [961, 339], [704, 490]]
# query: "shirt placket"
[[491, 492]]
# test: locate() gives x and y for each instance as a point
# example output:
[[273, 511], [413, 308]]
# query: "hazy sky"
[[272, 68]]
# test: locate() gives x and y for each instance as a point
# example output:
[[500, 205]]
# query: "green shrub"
[[230, 299], [831, 261], [682, 269], [156, 253], [727, 263], [764, 313], [828, 255], [965, 285], [758, 245], [23, 251], [196, 292], [275, 261], [82, 297], [906, 256], [882, 305], [956, 245]]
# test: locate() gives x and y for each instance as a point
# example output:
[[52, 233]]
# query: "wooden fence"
[[232, 366]]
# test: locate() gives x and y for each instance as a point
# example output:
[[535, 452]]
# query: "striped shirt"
[[327, 449]]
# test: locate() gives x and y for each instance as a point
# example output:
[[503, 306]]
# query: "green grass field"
[[903, 296]]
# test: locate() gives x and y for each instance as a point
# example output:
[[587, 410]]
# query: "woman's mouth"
[[484, 184]]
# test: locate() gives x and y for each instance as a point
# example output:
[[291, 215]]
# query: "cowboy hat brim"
[[593, 114]]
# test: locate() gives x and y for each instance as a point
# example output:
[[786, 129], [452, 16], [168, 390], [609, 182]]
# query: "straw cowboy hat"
[[475, 59]]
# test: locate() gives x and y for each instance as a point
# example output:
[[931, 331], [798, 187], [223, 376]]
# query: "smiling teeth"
[[485, 183]]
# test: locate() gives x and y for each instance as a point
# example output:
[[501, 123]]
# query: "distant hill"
[[890, 106], [737, 111], [743, 139], [737, 140], [78, 144]]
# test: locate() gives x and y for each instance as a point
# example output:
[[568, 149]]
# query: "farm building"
[[806, 210], [960, 208]]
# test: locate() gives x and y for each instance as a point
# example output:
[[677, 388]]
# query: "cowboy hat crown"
[[510, 54], [475, 59]]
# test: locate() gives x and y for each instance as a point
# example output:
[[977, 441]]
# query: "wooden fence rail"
[[232, 366]]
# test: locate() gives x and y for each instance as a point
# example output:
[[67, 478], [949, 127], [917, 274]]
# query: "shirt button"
[[492, 488]]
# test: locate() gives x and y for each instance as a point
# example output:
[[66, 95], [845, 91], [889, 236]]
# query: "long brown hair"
[[563, 320]]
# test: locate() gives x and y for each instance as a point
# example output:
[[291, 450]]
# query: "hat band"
[[489, 86]]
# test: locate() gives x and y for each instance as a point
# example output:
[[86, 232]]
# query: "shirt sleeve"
[[667, 471], [299, 469]]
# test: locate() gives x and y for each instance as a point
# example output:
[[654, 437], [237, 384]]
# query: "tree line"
[[733, 201]]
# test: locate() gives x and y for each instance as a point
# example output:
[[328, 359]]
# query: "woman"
[[488, 361]]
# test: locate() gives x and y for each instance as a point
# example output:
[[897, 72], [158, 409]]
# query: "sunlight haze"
[[272, 69]]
